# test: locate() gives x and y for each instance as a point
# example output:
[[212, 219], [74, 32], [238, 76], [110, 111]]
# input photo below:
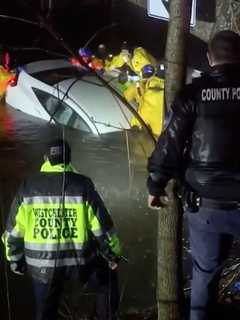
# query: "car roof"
[[85, 89], [97, 100], [44, 65]]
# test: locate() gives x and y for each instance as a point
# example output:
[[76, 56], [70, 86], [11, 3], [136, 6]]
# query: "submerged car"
[[59, 92]]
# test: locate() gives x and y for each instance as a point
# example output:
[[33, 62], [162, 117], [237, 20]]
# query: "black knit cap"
[[58, 151]]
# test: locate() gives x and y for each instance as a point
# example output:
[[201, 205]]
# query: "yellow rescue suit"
[[136, 62], [117, 61], [140, 58], [151, 104]]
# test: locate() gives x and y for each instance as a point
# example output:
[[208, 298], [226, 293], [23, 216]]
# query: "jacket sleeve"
[[13, 237], [167, 160], [101, 225]]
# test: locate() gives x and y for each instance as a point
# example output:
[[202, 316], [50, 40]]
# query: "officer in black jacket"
[[205, 121]]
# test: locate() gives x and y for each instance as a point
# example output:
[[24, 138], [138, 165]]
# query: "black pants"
[[96, 275]]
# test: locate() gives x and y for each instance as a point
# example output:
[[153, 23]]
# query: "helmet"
[[84, 52], [102, 51], [58, 151], [124, 45], [147, 71], [161, 71]]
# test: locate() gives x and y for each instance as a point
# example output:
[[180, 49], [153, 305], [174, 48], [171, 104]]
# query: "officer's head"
[[224, 48], [147, 71], [58, 151]]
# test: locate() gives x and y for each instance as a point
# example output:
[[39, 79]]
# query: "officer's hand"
[[112, 265], [157, 202], [18, 268]]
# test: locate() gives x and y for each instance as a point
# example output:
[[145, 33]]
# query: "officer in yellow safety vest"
[[58, 228], [149, 95]]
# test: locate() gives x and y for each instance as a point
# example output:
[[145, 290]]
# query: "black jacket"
[[201, 144]]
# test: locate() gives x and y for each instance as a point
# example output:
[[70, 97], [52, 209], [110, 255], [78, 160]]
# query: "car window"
[[61, 112]]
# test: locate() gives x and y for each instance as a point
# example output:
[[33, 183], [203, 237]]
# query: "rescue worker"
[[7, 76], [141, 58], [149, 95], [202, 138], [58, 228], [102, 51], [118, 61]]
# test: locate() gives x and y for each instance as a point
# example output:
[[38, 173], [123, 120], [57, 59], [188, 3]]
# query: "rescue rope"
[[130, 172]]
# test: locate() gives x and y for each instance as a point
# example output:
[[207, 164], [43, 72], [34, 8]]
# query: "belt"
[[220, 204]]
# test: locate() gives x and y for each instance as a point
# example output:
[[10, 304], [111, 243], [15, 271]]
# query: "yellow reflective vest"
[[51, 230]]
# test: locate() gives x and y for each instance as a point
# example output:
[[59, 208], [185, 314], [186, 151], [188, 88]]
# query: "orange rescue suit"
[[5, 77]]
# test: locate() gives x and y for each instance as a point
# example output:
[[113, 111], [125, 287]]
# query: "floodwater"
[[116, 163]]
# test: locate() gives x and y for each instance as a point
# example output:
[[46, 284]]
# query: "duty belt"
[[220, 204]]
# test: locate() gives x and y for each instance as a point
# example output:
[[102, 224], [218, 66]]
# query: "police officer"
[[59, 229], [205, 121]]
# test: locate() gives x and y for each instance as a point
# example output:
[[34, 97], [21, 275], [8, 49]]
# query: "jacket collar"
[[225, 70], [47, 167]]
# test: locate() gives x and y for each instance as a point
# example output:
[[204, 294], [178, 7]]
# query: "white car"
[[57, 91]]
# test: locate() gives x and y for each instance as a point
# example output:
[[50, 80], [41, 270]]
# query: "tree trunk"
[[170, 218], [169, 278], [175, 54], [227, 16]]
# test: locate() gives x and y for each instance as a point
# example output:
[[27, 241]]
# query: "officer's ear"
[[210, 59], [45, 158]]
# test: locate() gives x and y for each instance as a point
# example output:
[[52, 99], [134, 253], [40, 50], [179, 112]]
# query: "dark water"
[[116, 163]]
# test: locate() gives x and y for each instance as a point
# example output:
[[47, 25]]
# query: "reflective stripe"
[[111, 232], [97, 233], [14, 233], [55, 263], [53, 246], [15, 257], [53, 200]]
